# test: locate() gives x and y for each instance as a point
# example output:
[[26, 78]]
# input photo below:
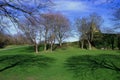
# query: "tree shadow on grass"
[[11, 61], [100, 67]]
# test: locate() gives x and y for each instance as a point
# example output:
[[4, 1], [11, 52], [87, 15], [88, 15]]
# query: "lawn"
[[63, 64]]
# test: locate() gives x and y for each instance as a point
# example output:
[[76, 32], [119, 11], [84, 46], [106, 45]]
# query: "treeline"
[[105, 41], [51, 28], [8, 39], [108, 41]]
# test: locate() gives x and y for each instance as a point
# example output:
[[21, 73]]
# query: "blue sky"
[[81, 8]]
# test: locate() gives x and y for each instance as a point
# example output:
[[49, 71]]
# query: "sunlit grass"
[[62, 64]]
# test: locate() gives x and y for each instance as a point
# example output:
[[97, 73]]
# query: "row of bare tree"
[[48, 28]]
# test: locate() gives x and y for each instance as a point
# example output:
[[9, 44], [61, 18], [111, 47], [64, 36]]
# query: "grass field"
[[63, 64]]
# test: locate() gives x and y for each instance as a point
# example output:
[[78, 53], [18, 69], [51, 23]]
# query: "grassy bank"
[[62, 64]]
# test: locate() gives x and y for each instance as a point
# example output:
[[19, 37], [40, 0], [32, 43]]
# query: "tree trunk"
[[45, 46], [51, 48], [79, 44], [36, 48], [82, 44], [112, 45], [60, 44], [45, 43], [89, 44], [112, 42]]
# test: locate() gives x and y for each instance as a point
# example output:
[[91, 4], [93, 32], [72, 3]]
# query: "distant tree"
[[3, 39], [20, 39]]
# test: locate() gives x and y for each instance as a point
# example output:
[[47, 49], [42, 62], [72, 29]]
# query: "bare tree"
[[22, 6], [94, 24], [57, 27], [30, 27], [62, 28], [48, 20], [87, 27], [51, 40], [16, 9], [82, 27]]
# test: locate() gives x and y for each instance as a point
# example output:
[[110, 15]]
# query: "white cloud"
[[70, 6]]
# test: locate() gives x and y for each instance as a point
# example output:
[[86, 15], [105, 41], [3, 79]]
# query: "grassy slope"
[[59, 65]]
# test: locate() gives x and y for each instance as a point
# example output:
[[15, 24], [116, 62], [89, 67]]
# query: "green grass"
[[63, 64]]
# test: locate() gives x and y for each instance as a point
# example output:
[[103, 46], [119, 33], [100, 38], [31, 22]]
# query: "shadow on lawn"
[[101, 67], [11, 61]]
